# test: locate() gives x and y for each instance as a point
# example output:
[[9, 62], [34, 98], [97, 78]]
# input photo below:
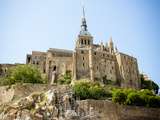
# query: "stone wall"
[[129, 73], [106, 110]]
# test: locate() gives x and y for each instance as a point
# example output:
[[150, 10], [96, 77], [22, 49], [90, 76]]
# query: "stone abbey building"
[[96, 62]]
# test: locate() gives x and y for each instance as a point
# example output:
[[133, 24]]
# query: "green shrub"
[[119, 96], [134, 98], [25, 74], [96, 92], [22, 74], [154, 101], [146, 92], [143, 97], [90, 90], [6, 81], [81, 89]]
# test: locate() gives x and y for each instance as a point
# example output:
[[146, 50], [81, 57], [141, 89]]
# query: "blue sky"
[[134, 25]]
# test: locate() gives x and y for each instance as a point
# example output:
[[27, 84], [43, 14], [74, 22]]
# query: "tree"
[[148, 84], [25, 74]]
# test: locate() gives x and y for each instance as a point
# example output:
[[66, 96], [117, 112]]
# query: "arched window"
[[88, 42], [85, 42], [82, 41]]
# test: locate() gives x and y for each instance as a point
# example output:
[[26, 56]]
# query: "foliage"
[[89, 90], [148, 84], [66, 78], [154, 101], [155, 87], [96, 91], [22, 74], [119, 96], [81, 89], [6, 81], [134, 98], [143, 97]]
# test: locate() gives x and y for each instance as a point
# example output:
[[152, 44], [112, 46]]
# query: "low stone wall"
[[106, 110]]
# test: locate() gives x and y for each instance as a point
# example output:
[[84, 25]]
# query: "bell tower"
[[84, 38]]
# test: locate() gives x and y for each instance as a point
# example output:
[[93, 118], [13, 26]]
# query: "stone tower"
[[82, 56]]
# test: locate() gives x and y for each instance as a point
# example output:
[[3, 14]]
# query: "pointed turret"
[[111, 45], [110, 41]]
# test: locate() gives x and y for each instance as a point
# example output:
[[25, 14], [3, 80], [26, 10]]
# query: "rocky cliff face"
[[59, 103], [50, 105]]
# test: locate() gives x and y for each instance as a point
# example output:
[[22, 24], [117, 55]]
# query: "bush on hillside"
[[154, 101], [5, 81], [134, 97], [89, 90], [22, 74], [119, 96]]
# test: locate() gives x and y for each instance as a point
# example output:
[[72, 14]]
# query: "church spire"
[[84, 23], [84, 30], [83, 12]]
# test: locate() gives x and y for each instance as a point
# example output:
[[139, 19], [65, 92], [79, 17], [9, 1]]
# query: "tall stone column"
[[91, 64]]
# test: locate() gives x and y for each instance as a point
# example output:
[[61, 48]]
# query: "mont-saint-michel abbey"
[[95, 62], [93, 81]]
